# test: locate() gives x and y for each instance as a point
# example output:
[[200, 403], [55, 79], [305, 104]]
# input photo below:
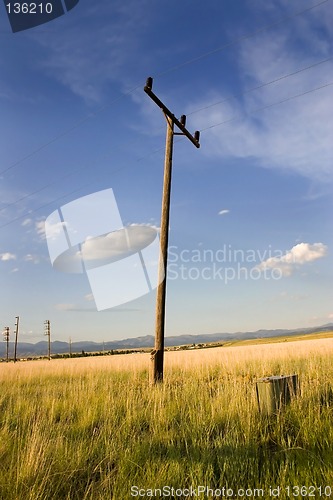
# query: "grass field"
[[91, 428]]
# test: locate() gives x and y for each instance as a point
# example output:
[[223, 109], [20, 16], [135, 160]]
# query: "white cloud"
[[7, 256], [32, 258], [44, 227], [117, 244], [15, 270], [298, 255], [76, 308], [40, 228], [105, 249], [27, 222], [224, 211], [89, 297], [65, 307], [295, 136], [292, 296]]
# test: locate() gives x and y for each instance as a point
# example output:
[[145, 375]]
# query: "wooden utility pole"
[[157, 355], [47, 331], [5, 334], [17, 318]]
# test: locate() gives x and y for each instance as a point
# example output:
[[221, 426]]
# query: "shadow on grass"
[[267, 460]]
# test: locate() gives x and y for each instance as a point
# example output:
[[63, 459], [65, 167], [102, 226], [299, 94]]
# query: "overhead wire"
[[162, 148], [115, 171], [240, 94], [240, 39], [69, 174], [262, 108], [67, 131], [192, 112], [158, 75], [257, 87], [76, 190]]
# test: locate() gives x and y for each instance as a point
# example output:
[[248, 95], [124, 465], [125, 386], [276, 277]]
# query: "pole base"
[[156, 368]]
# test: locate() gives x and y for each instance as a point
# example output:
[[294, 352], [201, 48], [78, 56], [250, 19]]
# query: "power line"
[[67, 131], [195, 111], [262, 85], [229, 120], [76, 190], [127, 143], [158, 75], [62, 177], [240, 39], [267, 106], [43, 206]]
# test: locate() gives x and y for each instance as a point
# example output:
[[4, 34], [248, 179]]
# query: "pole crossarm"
[[193, 138]]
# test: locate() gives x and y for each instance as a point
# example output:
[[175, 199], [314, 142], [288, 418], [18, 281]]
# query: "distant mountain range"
[[40, 348]]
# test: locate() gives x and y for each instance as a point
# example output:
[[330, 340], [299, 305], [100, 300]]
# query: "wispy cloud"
[[52, 230], [26, 222], [93, 53], [7, 256], [40, 228], [35, 259], [299, 255], [295, 135], [296, 297], [65, 307], [224, 211]]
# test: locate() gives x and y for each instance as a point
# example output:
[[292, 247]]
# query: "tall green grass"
[[92, 428]]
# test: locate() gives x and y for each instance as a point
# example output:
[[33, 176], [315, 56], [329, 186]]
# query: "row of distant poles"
[[6, 336]]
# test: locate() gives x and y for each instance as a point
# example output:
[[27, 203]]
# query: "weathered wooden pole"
[[16, 336], [47, 332], [157, 355], [6, 339]]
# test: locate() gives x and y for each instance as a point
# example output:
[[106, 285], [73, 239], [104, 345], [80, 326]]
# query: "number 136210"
[[29, 8]]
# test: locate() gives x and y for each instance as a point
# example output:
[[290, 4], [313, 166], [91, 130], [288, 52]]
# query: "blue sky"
[[251, 210]]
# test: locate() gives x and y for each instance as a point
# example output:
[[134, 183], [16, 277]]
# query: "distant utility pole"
[[5, 334], [17, 318], [157, 355], [47, 331]]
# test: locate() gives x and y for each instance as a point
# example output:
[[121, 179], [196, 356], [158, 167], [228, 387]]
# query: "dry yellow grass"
[[227, 358], [89, 428]]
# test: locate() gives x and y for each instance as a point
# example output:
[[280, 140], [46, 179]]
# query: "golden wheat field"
[[93, 428]]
